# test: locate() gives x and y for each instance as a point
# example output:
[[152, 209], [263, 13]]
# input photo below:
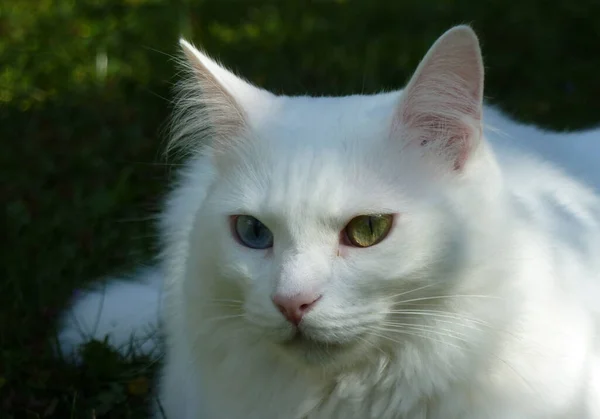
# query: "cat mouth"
[[315, 349], [301, 339]]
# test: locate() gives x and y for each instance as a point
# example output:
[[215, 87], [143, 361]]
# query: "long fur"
[[480, 303]]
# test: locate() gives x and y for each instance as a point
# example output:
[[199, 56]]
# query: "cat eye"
[[368, 230], [252, 233]]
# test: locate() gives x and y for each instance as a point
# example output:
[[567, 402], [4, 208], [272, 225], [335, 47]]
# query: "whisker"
[[462, 348], [226, 300], [441, 316], [229, 305], [423, 327], [412, 290], [439, 313], [372, 345], [430, 332], [222, 318], [447, 296], [462, 324], [411, 333]]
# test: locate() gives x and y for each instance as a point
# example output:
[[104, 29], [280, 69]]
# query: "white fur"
[[111, 308], [493, 261]]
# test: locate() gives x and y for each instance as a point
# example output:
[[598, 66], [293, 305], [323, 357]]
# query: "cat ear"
[[213, 103], [440, 110]]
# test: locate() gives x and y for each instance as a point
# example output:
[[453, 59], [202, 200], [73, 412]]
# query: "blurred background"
[[85, 90]]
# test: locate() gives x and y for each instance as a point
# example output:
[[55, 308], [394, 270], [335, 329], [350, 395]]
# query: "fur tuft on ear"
[[209, 109], [440, 110]]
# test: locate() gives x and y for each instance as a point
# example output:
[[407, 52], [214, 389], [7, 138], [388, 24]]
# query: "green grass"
[[82, 169]]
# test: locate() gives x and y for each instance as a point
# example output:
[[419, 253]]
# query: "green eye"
[[252, 233], [368, 230]]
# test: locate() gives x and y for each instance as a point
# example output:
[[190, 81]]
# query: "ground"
[[84, 105]]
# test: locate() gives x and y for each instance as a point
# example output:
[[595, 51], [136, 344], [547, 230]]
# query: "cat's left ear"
[[440, 110]]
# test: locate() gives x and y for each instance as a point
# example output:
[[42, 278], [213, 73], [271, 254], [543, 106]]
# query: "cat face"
[[331, 222], [289, 221]]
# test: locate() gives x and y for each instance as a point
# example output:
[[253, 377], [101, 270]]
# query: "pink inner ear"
[[440, 112], [462, 147], [447, 138], [440, 109]]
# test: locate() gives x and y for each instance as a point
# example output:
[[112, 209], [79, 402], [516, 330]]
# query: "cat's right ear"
[[213, 103], [440, 110]]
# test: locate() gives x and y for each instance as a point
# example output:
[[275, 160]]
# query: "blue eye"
[[252, 233]]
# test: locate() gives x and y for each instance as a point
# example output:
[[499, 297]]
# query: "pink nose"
[[295, 307]]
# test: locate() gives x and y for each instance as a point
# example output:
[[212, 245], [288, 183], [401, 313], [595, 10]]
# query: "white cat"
[[374, 256]]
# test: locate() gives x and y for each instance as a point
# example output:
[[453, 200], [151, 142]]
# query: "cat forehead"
[[320, 121], [325, 156], [305, 179], [308, 189]]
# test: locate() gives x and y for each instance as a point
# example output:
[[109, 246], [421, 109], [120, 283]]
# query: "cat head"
[[333, 227]]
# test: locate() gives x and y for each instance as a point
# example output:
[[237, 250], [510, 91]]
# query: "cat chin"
[[320, 353]]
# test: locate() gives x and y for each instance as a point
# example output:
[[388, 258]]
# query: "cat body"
[[511, 375], [479, 302]]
